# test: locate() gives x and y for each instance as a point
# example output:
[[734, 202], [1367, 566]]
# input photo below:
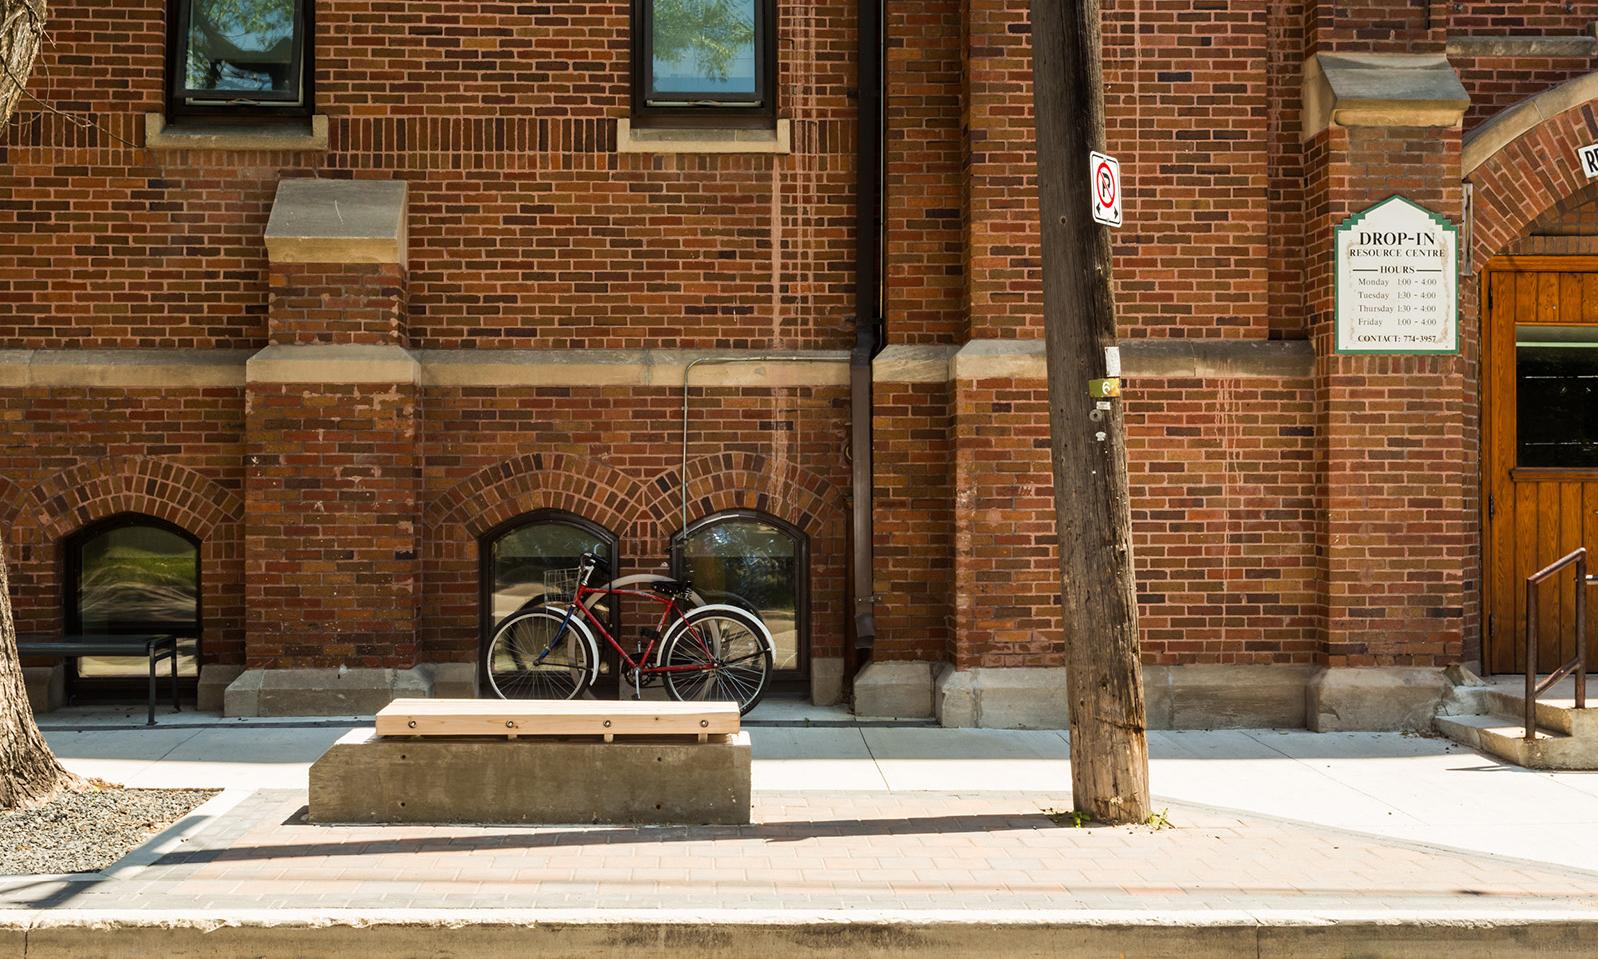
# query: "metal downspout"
[[869, 332]]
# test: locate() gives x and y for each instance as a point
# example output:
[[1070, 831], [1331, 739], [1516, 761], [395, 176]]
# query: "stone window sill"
[[697, 140], [199, 135]]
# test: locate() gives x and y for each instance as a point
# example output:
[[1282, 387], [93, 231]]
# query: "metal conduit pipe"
[[682, 473], [870, 332]]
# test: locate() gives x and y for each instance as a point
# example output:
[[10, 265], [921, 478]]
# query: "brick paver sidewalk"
[[815, 851]]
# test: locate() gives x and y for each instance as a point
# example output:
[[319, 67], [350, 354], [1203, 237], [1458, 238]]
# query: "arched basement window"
[[517, 556], [756, 561], [133, 574]]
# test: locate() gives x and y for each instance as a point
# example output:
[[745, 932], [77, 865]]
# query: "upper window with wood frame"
[[704, 62], [240, 57]]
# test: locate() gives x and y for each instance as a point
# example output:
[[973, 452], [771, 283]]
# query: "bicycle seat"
[[675, 588]]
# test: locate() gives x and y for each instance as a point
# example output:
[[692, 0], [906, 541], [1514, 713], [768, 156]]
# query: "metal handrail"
[[1578, 665]]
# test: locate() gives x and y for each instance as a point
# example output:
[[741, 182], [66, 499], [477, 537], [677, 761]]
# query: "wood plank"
[[513, 718]]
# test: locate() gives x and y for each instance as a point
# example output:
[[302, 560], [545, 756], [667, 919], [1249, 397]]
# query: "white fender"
[[765, 633], [581, 627], [642, 579]]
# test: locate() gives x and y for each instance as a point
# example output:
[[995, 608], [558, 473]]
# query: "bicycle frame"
[[579, 608]]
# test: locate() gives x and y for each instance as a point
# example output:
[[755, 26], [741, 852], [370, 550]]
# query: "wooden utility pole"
[[1104, 677]]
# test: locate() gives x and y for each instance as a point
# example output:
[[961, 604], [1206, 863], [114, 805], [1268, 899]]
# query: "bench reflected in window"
[[133, 574]]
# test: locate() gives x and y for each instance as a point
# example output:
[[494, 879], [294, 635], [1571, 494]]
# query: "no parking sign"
[[1105, 172]]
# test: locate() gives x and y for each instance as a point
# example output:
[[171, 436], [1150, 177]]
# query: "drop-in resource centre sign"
[[1397, 281]]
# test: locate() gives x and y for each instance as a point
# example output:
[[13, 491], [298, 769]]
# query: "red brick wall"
[[1223, 477], [1006, 562], [925, 197], [332, 530], [914, 521], [613, 455], [1495, 83], [1401, 527], [73, 456], [527, 229], [337, 303], [1521, 18]]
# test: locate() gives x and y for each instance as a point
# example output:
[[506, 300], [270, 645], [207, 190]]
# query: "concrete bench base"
[[367, 779]]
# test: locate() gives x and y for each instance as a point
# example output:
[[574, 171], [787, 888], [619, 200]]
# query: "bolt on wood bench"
[[512, 719], [538, 761]]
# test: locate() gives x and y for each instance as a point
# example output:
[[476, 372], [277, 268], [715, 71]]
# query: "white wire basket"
[[561, 584]]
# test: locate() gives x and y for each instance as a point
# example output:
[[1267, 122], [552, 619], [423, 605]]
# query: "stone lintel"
[[308, 135], [732, 368], [341, 363], [122, 369], [1381, 90], [1566, 45], [337, 221], [1151, 358], [914, 363], [774, 139], [371, 363]]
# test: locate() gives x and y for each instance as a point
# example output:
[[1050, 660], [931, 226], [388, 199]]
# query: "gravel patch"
[[87, 830]]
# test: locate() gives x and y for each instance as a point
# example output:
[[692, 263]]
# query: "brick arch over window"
[[793, 494], [727, 481], [455, 521], [1527, 176], [65, 502]]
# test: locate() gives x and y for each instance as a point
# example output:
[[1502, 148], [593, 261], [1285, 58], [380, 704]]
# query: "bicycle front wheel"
[[717, 655], [539, 654]]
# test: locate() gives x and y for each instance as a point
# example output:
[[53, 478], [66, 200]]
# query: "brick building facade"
[[343, 354]]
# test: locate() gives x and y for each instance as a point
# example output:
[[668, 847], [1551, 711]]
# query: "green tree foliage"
[[709, 33]]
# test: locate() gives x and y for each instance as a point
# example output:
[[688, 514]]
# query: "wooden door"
[[1540, 452]]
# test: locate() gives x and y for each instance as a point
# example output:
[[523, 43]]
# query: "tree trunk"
[[29, 772], [1104, 677], [21, 30]]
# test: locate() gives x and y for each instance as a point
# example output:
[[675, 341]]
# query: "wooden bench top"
[[569, 717]]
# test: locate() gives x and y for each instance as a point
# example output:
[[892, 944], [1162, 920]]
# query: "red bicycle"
[[703, 653]]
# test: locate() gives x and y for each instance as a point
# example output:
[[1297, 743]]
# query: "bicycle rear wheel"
[[540, 655], [727, 654]]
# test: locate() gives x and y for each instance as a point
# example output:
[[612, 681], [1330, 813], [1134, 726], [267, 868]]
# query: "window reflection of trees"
[[747, 562], [241, 45]]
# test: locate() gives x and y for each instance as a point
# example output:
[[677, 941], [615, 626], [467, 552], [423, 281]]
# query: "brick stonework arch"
[[726, 481], [456, 520], [63, 503], [1536, 172], [793, 494], [591, 489], [73, 498]]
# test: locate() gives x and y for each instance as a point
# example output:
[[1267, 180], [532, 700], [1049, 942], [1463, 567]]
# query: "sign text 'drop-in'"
[[1397, 281]]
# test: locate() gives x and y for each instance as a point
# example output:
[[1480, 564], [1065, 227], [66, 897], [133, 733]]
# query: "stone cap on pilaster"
[[1381, 90], [337, 221], [329, 363]]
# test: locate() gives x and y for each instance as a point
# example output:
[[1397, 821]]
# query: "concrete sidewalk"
[[870, 841]]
